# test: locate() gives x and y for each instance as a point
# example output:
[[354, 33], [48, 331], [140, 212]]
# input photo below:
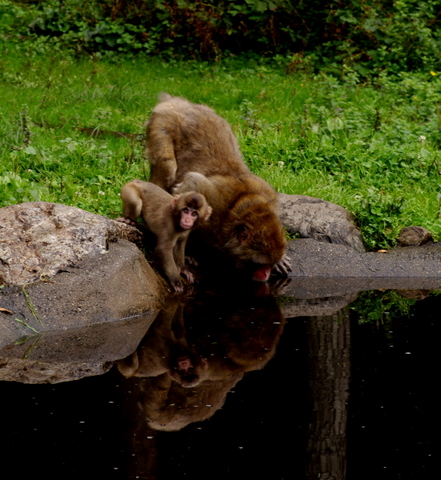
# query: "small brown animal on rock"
[[170, 218], [191, 148]]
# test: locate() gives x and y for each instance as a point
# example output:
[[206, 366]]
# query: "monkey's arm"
[[180, 251], [180, 258], [164, 258]]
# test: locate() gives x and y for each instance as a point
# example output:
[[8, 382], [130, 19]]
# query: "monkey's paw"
[[175, 189], [189, 277], [125, 220], [177, 286], [192, 261], [283, 267]]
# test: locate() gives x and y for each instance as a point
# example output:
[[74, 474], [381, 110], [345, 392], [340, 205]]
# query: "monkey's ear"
[[175, 199], [204, 363], [208, 214], [243, 234]]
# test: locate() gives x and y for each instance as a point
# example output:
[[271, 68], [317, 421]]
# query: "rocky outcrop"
[[414, 236], [39, 239], [315, 259], [67, 270], [323, 221]]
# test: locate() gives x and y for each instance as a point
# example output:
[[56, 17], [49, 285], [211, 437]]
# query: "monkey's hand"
[[283, 267], [126, 220], [176, 189], [192, 261], [187, 275], [280, 284], [177, 285]]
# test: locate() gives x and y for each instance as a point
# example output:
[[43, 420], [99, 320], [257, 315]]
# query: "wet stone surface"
[[314, 383]]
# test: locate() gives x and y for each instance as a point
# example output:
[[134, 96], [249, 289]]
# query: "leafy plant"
[[345, 37]]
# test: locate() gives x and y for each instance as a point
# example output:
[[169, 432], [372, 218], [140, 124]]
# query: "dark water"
[[328, 398]]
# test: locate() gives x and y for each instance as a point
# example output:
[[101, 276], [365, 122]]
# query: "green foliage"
[[365, 36]]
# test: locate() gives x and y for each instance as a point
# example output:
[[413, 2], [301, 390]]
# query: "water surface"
[[323, 396]]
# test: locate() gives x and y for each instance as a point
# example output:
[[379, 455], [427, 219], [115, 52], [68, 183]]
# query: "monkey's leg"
[[132, 203], [161, 155]]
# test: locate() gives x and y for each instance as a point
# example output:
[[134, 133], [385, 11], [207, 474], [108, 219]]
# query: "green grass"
[[357, 145]]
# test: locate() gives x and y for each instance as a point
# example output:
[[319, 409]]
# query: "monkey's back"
[[155, 206], [202, 140]]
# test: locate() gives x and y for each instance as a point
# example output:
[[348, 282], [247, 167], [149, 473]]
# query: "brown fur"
[[191, 148], [163, 215]]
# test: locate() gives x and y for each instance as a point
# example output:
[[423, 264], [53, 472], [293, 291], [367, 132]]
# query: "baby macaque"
[[170, 218]]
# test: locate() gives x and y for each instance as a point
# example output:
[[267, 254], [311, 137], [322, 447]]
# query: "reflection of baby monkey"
[[170, 218], [165, 351]]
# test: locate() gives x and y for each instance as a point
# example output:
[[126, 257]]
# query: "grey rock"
[[316, 259], [92, 314], [414, 236], [111, 286], [74, 285], [323, 221], [40, 238]]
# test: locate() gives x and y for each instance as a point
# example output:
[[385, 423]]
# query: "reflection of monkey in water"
[[165, 350], [170, 218], [234, 336], [192, 148]]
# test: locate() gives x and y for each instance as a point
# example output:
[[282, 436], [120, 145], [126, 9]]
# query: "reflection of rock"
[[233, 335], [293, 307], [324, 221], [414, 294], [324, 287], [73, 354]]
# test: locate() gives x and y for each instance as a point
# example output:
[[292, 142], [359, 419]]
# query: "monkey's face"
[[255, 249], [188, 218]]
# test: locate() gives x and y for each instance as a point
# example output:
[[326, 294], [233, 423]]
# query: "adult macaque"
[[191, 148], [170, 218]]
